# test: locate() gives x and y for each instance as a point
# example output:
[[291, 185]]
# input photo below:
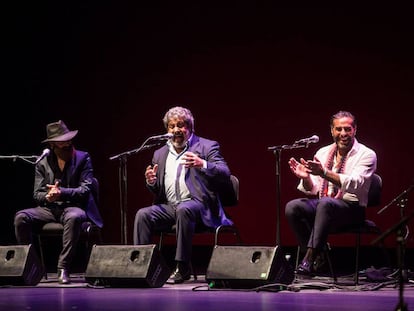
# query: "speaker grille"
[[248, 267], [20, 265], [127, 266]]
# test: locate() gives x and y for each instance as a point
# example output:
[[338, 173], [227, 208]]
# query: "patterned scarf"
[[329, 164]]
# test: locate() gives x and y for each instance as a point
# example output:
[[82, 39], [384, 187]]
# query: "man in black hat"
[[63, 188]]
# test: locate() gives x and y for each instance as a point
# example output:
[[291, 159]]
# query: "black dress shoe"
[[305, 268], [63, 276], [182, 273]]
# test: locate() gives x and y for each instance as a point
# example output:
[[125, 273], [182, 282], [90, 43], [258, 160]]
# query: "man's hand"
[[299, 168], [190, 159], [151, 174], [53, 193]]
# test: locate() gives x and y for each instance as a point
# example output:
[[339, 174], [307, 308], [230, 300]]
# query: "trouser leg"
[[72, 219], [300, 214], [187, 216], [150, 219], [332, 215], [29, 220]]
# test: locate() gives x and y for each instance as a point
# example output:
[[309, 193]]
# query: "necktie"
[[177, 183]]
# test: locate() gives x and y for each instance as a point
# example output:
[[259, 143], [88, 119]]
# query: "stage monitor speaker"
[[127, 266], [20, 265], [248, 267]]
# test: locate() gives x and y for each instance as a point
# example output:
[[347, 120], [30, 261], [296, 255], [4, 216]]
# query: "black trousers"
[[27, 221], [186, 215], [313, 219]]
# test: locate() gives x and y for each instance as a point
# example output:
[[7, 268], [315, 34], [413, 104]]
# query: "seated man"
[[184, 177], [63, 191], [340, 174]]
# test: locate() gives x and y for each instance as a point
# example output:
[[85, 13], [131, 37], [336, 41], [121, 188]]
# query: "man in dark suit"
[[184, 177], [63, 189]]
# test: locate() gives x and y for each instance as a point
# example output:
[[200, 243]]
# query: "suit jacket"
[[202, 183], [78, 187]]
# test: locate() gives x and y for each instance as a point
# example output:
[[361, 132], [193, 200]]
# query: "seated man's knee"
[[20, 218], [183, 211], [325, 205], [291, 208], [142, 214], [74, 218], [74, 221]]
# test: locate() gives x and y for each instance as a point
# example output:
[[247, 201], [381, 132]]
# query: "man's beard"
[[181, 145], [64, 153]]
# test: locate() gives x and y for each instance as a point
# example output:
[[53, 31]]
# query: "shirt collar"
[[187, 144]]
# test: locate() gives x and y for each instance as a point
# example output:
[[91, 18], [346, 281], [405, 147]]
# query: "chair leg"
[[161, 240], [328, 258], [193, 271], [230, 229], [93, 237], [297, 257], [358, 243], [42, 256]]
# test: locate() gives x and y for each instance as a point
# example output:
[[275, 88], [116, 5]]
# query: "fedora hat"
[[58, 131]]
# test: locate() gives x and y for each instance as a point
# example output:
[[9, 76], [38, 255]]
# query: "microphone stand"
[[401, 196], [277, 151], [401, 201], [24, 158], [122, 175]]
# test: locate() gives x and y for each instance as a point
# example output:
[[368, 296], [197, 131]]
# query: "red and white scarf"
[[339, 168]]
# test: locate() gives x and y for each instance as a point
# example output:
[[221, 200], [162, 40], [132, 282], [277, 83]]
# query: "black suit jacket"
[[78, 188]]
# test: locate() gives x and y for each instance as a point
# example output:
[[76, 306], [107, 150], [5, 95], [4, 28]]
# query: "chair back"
[[95, 189], [375, 189], [92, 209], [229, 191]]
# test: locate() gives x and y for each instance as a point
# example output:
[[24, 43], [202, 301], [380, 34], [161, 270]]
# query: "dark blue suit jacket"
[[202, 183]]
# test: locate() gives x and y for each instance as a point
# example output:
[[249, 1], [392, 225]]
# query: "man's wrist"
[[150, 183]]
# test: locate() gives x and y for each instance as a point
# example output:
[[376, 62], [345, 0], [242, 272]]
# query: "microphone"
[[312, 139], [161, 137], [44, 154]]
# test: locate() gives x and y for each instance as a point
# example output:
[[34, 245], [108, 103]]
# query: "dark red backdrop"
[[254, 76]]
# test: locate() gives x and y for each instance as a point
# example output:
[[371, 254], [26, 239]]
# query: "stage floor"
[[316, 294]]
